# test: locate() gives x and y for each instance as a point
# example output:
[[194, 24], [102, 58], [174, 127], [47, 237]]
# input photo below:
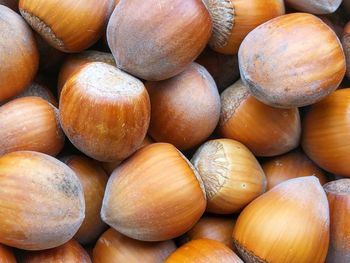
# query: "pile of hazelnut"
[[177, 131]]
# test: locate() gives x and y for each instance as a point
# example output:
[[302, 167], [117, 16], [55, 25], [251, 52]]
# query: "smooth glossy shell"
[[120, 248], [104, 112], [291, 165], [75, 25], [18, 52], [184, 109], [31, 124], [71, 252], [157, 39], [326, 133], [203, 251], [289, 223], [155, 195], [234, 19], [231, 175], [283, 64], [41, 201], [265, 130], [317, 7]]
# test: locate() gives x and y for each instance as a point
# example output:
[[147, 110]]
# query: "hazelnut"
[[315, 6], [291, 165], [70, 252], [30, 123], [41, 199], [155, 195], [38, 89], [184, 109], [283, 64], [75, 25], [231, 175], [119, 248], [157, 39], [289, 223], [234, 19], [19, 54], [213, 227], [109, 167], [203, 251], [338, 194], [115, 115], [223, 68], [93, 180], [326, 133], [265, 130], [75, 61]]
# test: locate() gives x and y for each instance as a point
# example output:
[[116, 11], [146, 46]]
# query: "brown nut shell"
[[30, 123], [167, 196], [289, 223], [104, 112], [338, 193], [70, 252], [283, 64], [93, 180], [120, 248], [317, 7], [75, 25], [74, 62], [109, 167], [231, 175], [18, 52], [157, 39], [265, 130], [326, 133], [184, 109], [291, 165], [42, 202], [203, 251], [39, 90], [223, 68], [234, 19], [213, 227]]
